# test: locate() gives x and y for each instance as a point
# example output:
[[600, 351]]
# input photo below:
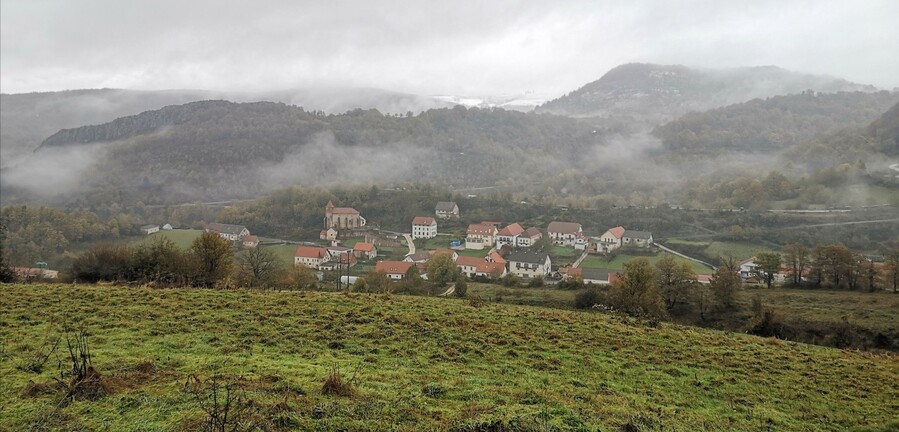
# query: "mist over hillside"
[[656, 93], [27, 119]]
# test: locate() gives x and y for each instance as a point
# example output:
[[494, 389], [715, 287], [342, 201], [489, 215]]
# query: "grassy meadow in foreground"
[[422, 364]]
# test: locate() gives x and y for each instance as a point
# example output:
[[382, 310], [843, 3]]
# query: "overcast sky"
[[429, 47]]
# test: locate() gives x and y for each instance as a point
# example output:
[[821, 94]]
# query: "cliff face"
[[662, 92]]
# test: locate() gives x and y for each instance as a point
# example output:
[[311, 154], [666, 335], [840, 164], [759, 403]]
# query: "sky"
[[482, 48]]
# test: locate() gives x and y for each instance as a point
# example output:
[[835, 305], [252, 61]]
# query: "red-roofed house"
[[494, 256], [365, 250], [310, 256], [610, 240], [564, 233], [472, 266], [509, 235], [342, 217], [493, 270], [480, 236], [424, 227], [394, 269], [250, 241]]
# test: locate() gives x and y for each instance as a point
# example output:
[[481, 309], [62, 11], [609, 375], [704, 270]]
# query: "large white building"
[[424, 227], [528, 265]]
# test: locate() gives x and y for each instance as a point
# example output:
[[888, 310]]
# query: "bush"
[[536, 282], [461, 287], [335, 385], [587, 298]]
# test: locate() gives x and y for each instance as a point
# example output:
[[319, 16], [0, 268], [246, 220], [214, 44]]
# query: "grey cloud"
[[425, 47]]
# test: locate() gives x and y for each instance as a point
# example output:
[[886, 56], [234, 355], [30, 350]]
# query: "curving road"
[[410, 243]]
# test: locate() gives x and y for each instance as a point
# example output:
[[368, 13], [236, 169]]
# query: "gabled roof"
[[490, 267], [645, 235], [364, 247], [564, 227], [469, 261], [421, 220], [338, 249], [341, 210], [310, 252], [419, 256], [225, 228], [528, 257], [393, 267], [497, 258], [597, 274], [511, 230], [481, 229], [618, 231], [532, 232], [446, 206], [250, 239]]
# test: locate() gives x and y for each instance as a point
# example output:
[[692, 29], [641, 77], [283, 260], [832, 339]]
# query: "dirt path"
[[662, 247], [579, 260], [449, 291]]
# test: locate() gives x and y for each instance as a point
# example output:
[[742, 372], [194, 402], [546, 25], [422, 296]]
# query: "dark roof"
[[645, 235], [528, 257], [446, 206], [419, 256], [226, 228], [596, 274]]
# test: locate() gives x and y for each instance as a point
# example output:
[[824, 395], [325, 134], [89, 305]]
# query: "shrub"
[[461, 288], [587, 298], [335, 385]]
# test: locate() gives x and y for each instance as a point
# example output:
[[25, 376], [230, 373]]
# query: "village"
[[486, 252]]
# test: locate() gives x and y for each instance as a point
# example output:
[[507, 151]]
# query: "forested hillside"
[[218, 149], [653, 93], [774, 123]]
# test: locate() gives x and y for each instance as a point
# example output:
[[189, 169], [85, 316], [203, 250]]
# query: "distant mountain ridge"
[[657, 93]]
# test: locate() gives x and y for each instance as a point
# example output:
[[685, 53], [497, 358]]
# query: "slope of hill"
[[27, 119], [774, 123], [228, 150], [656, 93], [420, 364]]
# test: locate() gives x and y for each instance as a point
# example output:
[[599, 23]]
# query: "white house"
[[149, 229], [636, 238], [509, 235], [395, 270], [480, 236], [446, 210], [365, 250], [528, 265], [528, 237], [311, 257], [564, 233], [228, 231], [424, 227], [610, 240]]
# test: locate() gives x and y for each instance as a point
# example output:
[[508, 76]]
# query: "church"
[[342, 217]]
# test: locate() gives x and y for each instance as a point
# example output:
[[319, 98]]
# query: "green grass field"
[[733, 249], [424, 364], [285, 253], [617, 263], [182, 238], [873, 311], [474, 252]]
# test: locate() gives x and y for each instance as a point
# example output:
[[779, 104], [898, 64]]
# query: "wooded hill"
[[655, 93]]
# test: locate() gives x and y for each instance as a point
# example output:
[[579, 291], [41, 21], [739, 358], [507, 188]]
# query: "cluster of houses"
[[509, 245]]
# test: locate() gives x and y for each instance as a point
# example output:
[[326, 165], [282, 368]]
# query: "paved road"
[[410, 243], [580, 259], [449, 291]]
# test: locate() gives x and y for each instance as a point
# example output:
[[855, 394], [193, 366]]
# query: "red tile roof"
[[310, 252], [532, 232], [490, 267], [393, 267], [511, 230], [364, 247], [340, 210], [481, 229], [617, 231], [421, 220], [250, 239], [496, 257], [564, 227], [469, 261]]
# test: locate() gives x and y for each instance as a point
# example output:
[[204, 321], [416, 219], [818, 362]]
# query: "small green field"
[[285, 253], [873, 311], [731, 249], [181, 237], [563, 255], [617, 263], [420, 363]]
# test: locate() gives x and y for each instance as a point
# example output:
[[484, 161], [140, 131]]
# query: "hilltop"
[[655, 93], [424, 364]]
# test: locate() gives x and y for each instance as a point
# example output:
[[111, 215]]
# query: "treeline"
[[774, 123]]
